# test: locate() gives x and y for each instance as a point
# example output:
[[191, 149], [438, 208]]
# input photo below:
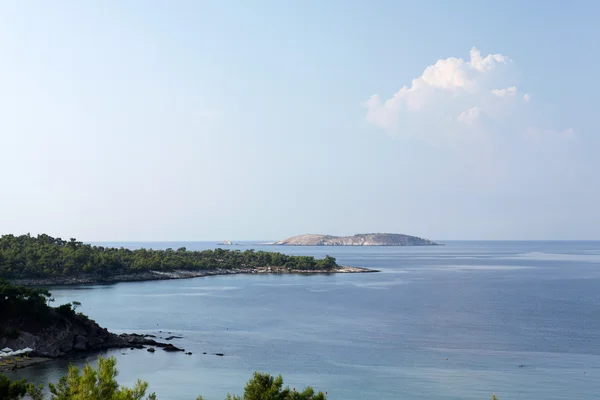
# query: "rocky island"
[[362, 239]]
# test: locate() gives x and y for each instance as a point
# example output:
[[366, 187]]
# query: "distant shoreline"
[[178, 274], [360, 239]]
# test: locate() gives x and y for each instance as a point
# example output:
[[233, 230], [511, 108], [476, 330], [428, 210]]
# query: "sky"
[[253, 120]]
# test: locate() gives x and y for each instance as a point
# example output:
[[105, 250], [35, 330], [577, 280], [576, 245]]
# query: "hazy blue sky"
[[191, 120]]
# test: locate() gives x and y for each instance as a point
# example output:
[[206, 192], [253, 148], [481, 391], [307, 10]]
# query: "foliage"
[[45, 257], [266, 387], [17, 302], [10, 390], [66, 310], [100, 384], [20, 300], [35, 392]]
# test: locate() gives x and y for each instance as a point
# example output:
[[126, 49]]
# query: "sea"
[[466, 320]]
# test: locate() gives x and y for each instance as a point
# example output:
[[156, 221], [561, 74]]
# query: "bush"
[[66, 310], [10, 390]]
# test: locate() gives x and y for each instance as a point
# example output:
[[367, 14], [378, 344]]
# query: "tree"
[[266, 387], [100, 384], [75, 305], [44, 257], [10, 390]]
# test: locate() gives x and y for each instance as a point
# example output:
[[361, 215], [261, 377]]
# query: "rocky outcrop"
[[363, 239], [65, 336]]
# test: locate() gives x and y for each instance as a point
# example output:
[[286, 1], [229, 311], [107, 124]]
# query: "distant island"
[[361, 239], [44, 260]]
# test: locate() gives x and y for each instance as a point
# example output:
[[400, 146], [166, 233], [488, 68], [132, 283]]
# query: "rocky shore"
[[59, 335], [175, 274], [79, 335], [23, 363]]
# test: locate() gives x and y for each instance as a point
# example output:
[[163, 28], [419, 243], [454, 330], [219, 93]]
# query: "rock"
[[219, 354], [170, 347], [80, 343], [174, 337], [151, 349], [204, 353], [74, 335], [189, 353]]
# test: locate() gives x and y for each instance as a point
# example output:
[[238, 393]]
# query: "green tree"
[[46, 257], [100, 384], [267, 387], [12, 390]]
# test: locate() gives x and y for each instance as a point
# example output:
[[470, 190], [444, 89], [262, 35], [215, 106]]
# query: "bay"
[[462, 321]]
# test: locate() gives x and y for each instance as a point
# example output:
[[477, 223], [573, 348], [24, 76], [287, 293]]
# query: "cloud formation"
[[510, 91], [455, 98], [484, 128], [469, 116]]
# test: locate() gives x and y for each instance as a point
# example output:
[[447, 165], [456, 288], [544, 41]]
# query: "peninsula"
[[44, 260], [362, 239]]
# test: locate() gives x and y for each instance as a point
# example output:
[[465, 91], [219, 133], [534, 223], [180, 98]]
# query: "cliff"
[[364, 239], [27, 321], [56, 336]]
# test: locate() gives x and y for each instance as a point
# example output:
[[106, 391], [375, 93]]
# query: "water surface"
[[461, 321]]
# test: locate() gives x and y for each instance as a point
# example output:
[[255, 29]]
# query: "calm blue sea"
[[462, 321]]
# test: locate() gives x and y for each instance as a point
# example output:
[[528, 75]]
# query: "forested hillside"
[[44, 257]]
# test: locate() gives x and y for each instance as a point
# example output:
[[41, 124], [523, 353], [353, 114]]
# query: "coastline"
[[135, 340], [177, 274], [24, 363]]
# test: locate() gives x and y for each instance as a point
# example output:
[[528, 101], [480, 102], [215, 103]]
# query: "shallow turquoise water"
[[448, 322]]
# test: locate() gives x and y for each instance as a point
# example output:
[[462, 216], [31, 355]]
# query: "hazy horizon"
[[269, 240], [153, 121]]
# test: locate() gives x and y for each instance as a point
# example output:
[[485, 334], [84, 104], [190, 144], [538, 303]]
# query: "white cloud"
[[457, 102], [468, 116], [453, 77], [473, 110], [487, 63], [510, 91]]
